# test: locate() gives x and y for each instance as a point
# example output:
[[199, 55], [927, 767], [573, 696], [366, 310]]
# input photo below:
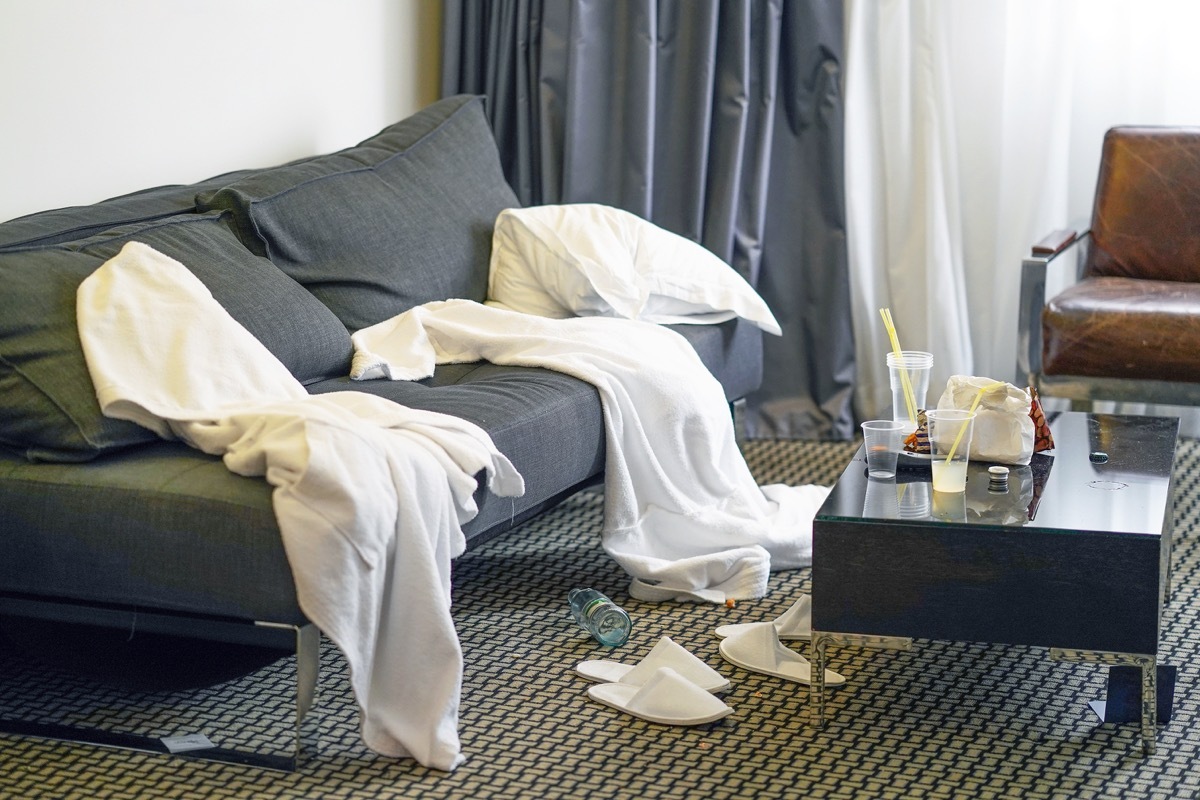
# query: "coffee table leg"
[[1147, 662], [819, 644], [1149, 705], [816, 689]]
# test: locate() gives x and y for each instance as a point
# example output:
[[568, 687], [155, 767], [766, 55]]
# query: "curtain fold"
[[720, 120]]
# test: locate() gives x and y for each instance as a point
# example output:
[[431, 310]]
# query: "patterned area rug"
[[942, 720]]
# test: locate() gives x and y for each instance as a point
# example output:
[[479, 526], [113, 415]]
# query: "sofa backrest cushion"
[[401, 219], [79, 222], [296, 327], [50, 410]]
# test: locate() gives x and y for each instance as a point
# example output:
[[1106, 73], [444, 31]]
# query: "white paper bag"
[[1003, 430]]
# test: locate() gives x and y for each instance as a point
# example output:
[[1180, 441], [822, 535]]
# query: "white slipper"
[[795, 624], [757, 649], [664, 654], [666, 697]]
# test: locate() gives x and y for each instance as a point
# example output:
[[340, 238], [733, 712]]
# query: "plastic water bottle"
[[606, 621]]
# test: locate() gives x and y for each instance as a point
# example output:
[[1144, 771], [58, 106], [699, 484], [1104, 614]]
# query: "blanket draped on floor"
[[682, 515], [369, 495]]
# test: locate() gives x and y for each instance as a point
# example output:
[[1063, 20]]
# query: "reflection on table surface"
[[911, 497], [1106, 473]]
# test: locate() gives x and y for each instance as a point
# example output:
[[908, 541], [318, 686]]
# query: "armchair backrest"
[[1146, 217]]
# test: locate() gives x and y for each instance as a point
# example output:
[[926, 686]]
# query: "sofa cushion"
[[298, 330], [79, 222], [50, 410], [161, 526], [154, 526], [548, 424], [401, 219]]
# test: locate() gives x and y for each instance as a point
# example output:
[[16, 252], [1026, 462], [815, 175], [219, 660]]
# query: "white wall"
[[102, 98]]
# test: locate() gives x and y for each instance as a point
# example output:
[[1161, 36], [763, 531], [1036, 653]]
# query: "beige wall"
[[102, 98]]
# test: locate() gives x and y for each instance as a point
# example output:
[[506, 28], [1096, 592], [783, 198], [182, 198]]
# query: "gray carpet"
[[943, 720]]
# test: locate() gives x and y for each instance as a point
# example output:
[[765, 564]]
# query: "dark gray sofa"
[[103, 524]]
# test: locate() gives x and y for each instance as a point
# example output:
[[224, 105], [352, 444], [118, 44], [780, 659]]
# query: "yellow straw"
[[909, 398], [974, 405]]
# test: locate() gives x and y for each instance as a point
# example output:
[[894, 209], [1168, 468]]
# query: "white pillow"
[[593, 260]]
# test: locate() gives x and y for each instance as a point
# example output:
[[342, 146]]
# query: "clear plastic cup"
[[915, 366], [881, 440], [950, 433]]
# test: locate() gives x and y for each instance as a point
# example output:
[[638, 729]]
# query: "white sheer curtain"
[[972, 129]]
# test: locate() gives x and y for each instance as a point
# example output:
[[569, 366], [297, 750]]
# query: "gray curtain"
[[720, 120]]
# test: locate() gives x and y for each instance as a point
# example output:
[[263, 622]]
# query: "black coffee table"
[[1074, 556]]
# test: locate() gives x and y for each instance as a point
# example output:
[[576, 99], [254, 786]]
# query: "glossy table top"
[[1107, 473]]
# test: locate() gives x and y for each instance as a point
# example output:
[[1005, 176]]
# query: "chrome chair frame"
[[1057, 260]]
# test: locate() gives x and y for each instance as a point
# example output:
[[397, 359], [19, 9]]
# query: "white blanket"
[[369, 495], [683, 515]]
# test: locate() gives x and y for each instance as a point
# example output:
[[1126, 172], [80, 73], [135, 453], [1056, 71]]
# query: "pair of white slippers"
[[670, 686], [758, 646]]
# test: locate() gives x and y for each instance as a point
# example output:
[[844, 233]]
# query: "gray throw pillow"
[[298, 330], [50, 410], [400, 219]]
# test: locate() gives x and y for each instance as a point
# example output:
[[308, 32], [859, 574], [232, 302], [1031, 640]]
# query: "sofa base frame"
[[305, 639]]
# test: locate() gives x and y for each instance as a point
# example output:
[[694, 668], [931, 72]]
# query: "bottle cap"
[[997, 479]]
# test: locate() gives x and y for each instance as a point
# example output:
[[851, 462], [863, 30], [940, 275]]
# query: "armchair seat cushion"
[[1124, 328]]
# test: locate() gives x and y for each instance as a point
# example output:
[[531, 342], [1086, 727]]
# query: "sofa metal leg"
[[308, 664], [307, 640]]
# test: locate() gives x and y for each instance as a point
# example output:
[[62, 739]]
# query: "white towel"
[[683, 515], [369, 495]]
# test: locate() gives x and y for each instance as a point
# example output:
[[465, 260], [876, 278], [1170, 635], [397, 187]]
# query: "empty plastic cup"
[[908, 376], [881, 440]]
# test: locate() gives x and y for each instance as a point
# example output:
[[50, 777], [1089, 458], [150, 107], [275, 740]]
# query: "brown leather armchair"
[[1124, 320]]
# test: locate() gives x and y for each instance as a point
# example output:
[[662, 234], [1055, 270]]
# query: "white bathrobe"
[[369, 495], [683, 515]]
